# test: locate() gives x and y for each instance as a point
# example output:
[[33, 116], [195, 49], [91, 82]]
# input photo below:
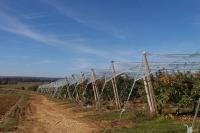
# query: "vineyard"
[[100, 66], [158, 94], [160, 85]]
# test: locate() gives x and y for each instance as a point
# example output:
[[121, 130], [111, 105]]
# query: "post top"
[[144, 52]]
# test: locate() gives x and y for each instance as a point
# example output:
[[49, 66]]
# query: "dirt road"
[[50, 117]]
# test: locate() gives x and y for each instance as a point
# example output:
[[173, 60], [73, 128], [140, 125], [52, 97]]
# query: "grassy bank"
[[13, 109], [21, 85], [137, 121], [158, 125]]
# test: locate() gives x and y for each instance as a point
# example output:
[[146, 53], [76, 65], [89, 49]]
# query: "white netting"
[[132, 69], [174, 62], [56, 84], [136, 70]]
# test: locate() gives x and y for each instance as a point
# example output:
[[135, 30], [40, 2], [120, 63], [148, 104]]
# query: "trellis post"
[[95, 89], [77, 95], [114, 84], [196, 113], [82, 80], [147, 93], [68, 91], [149, 83]]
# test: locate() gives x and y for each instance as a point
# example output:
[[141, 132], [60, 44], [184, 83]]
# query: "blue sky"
[[60, 37]]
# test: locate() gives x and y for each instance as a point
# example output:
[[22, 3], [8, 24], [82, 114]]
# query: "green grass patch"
[[21, 85], [9, 124], [11, 121], [140, 122], [158, 125], [110, 116]]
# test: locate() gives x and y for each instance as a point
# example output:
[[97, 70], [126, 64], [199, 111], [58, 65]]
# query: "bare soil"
[[6, 102], [51, 117]]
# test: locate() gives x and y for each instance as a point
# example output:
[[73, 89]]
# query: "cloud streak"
[[82, 64], [36, 15], [82, 19], [14, 25]]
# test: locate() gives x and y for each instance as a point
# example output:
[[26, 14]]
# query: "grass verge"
[[14, 115], [131, 122], [158, 125]]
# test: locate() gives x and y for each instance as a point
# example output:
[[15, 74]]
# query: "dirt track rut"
[[50, 117]]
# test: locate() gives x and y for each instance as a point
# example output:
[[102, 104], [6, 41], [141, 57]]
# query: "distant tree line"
[[15, 80]]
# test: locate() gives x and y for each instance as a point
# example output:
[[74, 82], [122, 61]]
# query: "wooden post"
[[77, 95], [196, 113], [55, 92], [149, 83], [59, 92], [115, 90], [95, 89], [148, 95], [68, 91], [82, 80]]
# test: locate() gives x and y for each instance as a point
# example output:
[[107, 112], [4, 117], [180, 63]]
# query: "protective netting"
[[123, 80], [56, 84], [157, 62], [134, 70], [174, 62]]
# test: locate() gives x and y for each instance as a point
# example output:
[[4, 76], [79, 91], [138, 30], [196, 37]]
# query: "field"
[[6, 102], [13, 103], [20, 85], [105, 120]]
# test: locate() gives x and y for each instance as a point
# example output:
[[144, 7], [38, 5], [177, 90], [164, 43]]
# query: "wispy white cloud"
[[93, 51], [36, 15], [84, 19], [117, 55], [13, 25], [40, 62], [16, 26], [82, 63]]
